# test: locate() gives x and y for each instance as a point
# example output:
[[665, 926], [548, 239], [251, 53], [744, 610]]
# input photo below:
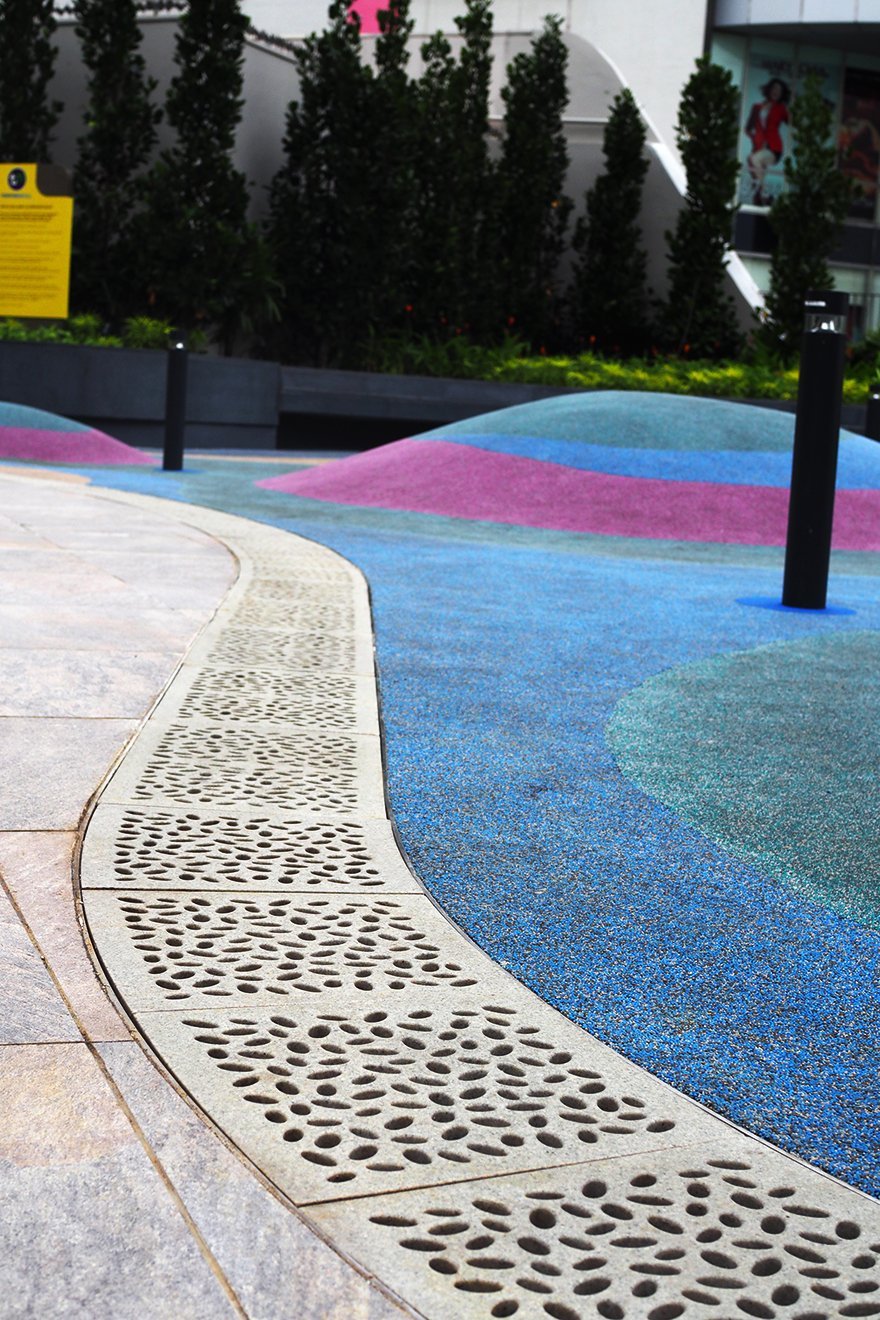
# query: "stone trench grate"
[[208, 949], [198, 762], [267, 646], [280, 696], [478, 1153], [687, 1233], [172, 849], [336, 1098]]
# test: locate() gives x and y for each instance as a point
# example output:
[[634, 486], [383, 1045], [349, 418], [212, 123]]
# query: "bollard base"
[[774, 603]]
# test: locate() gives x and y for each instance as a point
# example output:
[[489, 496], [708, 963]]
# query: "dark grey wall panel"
[[238, 403], [109, 386]]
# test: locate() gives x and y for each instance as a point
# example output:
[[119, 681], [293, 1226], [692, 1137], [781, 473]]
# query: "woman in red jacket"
[[763, 128]]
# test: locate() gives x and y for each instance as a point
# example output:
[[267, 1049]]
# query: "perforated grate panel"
[[265, 696], [355, 1101], [172, 849], [329, 613], [682, 1234], [303, 650], [194, 948], [215, 766]]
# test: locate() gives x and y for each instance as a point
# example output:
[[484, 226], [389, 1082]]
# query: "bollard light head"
[[826, 311], [177, 339]]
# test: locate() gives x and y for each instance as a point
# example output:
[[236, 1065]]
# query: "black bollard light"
[[175, 403], [872, 416], [814, 462]]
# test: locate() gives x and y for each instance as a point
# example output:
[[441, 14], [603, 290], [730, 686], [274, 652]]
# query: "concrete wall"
[[652, 45], [69, 82], [269, 85], [231, 403]]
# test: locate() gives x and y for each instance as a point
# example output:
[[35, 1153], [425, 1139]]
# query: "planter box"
[[237, 403], [426, 401], [232, 402]]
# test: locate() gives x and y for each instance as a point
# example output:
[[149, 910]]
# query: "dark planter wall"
[[236, 403], [232, 402]]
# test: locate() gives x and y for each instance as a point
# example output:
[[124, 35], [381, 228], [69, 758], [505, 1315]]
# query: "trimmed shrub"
[[609, 295], [806, 218], [119, 140], [27, 59], [698, 316], [533, 210]]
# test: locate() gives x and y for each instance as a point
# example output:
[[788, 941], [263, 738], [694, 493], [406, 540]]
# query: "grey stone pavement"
[[225, 919], [115, 1199]]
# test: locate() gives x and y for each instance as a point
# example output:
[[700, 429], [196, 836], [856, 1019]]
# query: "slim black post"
[[872, 417], [175, 405], [814, 462]]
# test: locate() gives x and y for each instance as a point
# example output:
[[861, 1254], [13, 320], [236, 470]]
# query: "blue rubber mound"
[[34, 419], [667, 436]]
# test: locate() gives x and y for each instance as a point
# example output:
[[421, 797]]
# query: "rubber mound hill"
[[608, 463], [43, 437]]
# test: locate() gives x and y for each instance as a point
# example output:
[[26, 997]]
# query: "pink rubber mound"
[[39, 437], [459, 481]]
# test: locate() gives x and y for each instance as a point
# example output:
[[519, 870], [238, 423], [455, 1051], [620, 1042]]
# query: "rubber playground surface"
[[615, 761]]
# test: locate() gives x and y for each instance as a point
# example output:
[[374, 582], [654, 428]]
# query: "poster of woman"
[[766, 124], [764, 128]]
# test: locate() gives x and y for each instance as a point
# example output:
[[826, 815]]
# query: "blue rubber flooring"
[[505, 656]]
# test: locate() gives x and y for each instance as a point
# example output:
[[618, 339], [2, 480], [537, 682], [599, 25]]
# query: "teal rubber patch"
[[773, 754], [34, 419], [635, 420]]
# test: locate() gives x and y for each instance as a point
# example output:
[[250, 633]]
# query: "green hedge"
[[722, 380], [137, 332], [464, 360], [746, 379]]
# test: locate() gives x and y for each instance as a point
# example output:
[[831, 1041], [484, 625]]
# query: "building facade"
[[650, 46]]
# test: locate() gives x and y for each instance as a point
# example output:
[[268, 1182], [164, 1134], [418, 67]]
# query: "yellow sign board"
[[36, 222]]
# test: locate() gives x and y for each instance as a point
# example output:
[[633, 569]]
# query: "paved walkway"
[[467, 1149], [115, 1199]]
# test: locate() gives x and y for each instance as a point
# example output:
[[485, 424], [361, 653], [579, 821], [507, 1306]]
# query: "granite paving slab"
[[86, 685], [49, 768], [87, 1227], [277, 1265], [120, 625], [36, 869], [33, 1010]]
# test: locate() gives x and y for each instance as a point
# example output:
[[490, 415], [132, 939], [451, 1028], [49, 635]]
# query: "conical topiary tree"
[[119, 140], [806, 218], [201, 257], [533, 210], [454, 288], [27, 60], [609, 295], [699, 317], [321, 224]]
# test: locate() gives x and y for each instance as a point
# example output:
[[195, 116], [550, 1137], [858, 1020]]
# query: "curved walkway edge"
[[466, 1145], [117, 1202]]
